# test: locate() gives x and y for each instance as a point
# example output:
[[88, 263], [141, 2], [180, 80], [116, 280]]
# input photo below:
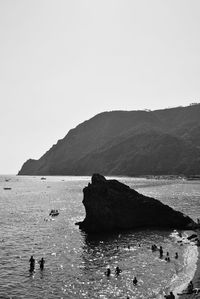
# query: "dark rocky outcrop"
[[111, 205], [161, 142], [193, 236]]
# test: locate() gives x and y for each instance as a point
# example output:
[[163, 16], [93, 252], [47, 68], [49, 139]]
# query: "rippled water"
[[75, 262]]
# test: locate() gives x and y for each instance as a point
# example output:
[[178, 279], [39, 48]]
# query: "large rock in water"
[[111, 205]]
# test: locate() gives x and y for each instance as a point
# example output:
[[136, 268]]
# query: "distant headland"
[[129, 143]]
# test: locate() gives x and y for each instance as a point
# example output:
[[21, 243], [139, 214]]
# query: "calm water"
[[75, 263]]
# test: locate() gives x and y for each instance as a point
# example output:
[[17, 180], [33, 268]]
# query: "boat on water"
[[43, 178], [7, 188], [54, 213]]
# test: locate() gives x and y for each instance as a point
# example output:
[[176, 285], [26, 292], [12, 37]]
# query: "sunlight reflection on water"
[[75, 263]]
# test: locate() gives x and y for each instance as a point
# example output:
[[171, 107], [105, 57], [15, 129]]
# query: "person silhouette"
[[41, 262], [190, 287], [135, 281], [161, 251], [118, 271], [108, 272], [32, 264], [167, 257]]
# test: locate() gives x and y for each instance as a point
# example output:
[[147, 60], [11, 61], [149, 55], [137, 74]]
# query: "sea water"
[[75, 263]]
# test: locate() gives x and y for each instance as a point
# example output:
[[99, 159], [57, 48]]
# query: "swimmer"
[[167, 257], [108, 272], [118, 271], [135, 281], [176, 255], [153, 247]]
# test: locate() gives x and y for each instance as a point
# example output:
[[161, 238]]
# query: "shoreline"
[[195, 279]]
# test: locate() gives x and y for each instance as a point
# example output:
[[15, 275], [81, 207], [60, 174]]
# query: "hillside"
[[127, 143]]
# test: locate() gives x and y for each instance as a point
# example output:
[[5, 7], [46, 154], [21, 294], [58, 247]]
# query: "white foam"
[[180, 237], [179, 282], [181, 279]]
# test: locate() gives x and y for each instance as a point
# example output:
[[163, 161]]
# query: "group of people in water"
[[160, 249], [117, 272], [190, 288], [135, 281], [167, 259], [32, 264]]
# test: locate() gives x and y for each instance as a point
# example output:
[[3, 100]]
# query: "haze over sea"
[[75, 262]]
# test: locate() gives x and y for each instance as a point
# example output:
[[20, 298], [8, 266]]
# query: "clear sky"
[[63, 61]]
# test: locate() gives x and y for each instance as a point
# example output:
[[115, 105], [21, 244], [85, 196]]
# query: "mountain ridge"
[[139, 142]]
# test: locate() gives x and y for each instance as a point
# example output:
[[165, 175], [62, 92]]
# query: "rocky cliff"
[[129, 143], [111, 205]]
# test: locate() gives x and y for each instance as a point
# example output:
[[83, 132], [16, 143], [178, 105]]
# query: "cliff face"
[[126, 143], [111, 205]]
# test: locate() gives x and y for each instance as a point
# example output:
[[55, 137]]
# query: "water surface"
[[75, 262]]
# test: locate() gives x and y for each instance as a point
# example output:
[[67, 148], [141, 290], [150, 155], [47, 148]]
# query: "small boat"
[[54, 213], [43, 178], [7, 188]]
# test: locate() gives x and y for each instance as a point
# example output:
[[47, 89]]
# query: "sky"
[[64, 61]]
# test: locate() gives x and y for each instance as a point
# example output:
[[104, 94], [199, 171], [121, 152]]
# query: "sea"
[[75, 262]]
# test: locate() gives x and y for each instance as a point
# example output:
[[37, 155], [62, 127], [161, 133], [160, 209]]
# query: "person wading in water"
[[32, 264], [41, 262]]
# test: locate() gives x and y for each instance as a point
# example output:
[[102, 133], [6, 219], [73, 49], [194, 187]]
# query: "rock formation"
[[111, 205]]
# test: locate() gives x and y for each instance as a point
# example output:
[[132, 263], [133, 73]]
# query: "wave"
[[184, 271], [181, 279]]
